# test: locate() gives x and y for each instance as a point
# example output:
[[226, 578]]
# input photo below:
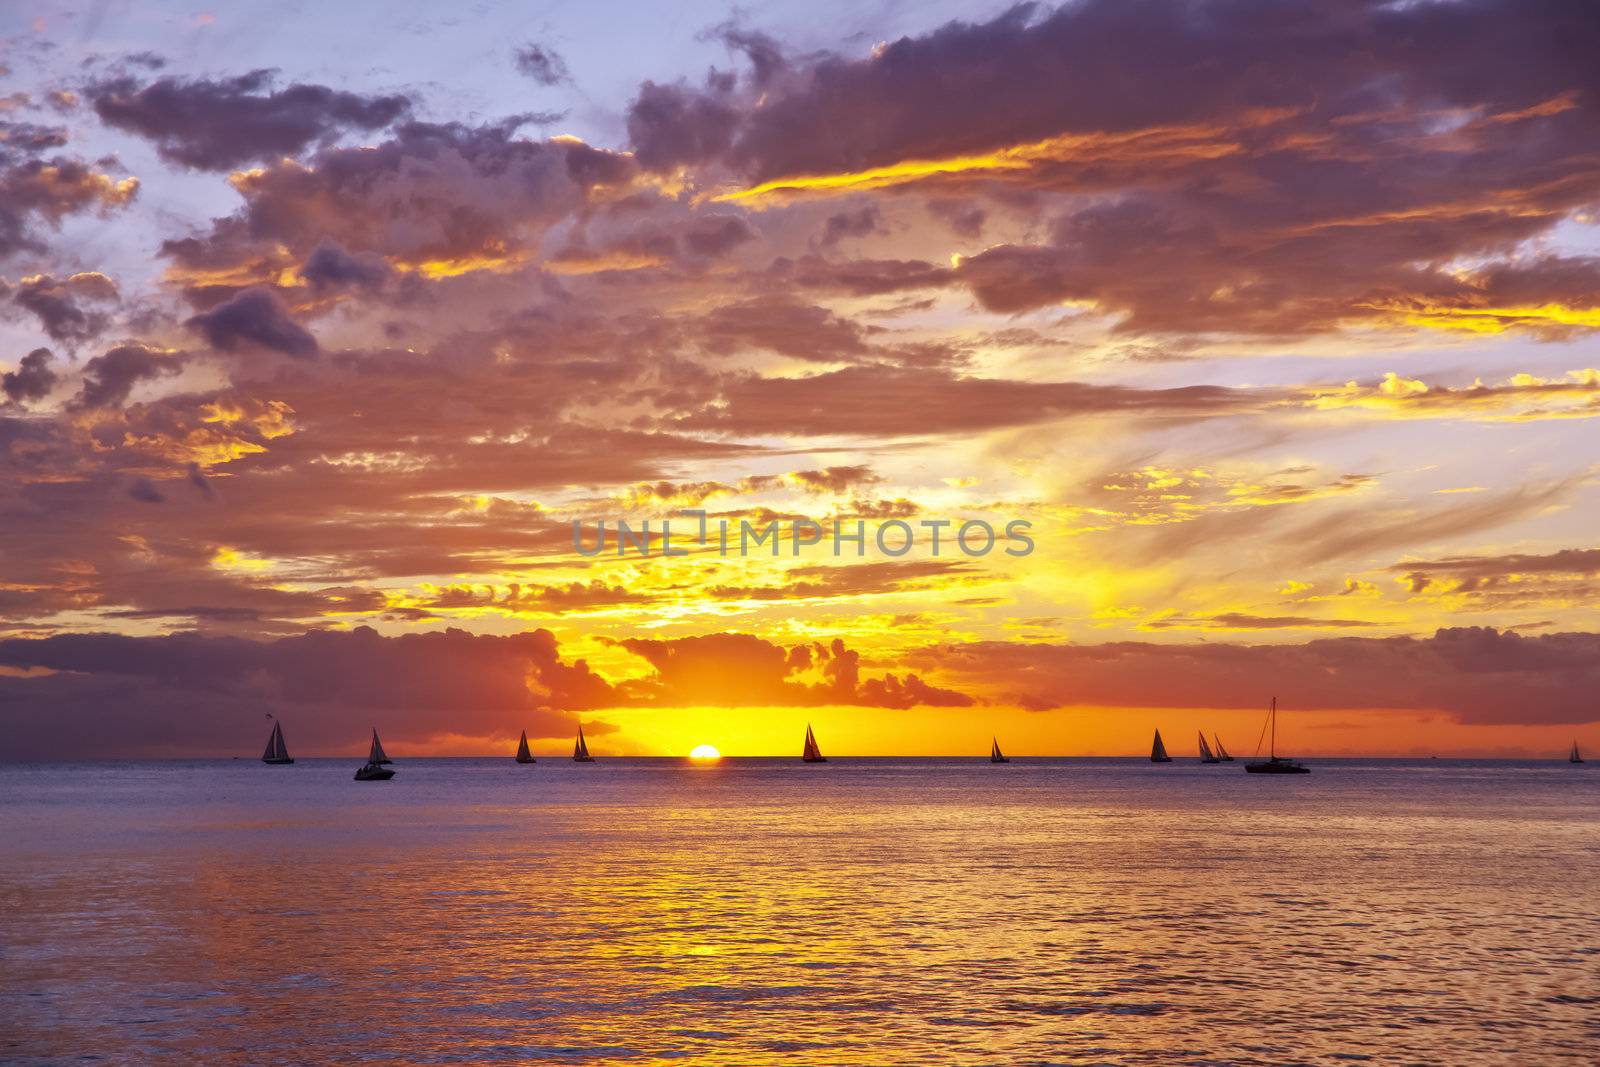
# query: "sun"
[[707, 752]]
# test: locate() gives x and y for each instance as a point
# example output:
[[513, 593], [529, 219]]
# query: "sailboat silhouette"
[[377, 754], [278, 753], [523, 755], [811, 753], [1222, 753], [1574, 758], [1158, 751], [1206, 755], [1275, 764], [995, 755], [374, 769], [580, 748]]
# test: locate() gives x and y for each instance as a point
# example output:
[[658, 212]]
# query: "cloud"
[[1515, 580], [1487, 569], [1351, 532], [838, 479], [741, 670], [964, 217], [716, 235], [861, 277], [32, 380], [1474, 674], [861, 579], [672, 125], [39, 190], [331, 267], [219, 124], [109, 378], [883, 401], [788, 327], [517, 599], [190, 693], [1326, 172], [435, 201], [144, 490], [1236, 620], [1521, 398], [543, 64], [58, 303], [860, 222], [254, 318]]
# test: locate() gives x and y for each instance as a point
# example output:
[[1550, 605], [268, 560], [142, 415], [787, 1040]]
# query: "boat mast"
[[1272, 746]]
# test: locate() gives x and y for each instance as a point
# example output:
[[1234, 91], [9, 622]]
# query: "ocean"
[[862, 911]]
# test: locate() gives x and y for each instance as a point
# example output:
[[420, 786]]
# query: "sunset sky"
[[321, 324]]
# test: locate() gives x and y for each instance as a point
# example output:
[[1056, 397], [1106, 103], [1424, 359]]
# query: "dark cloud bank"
[[187, 693]]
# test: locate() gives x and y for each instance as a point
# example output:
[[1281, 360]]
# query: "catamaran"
[[995, 755], [1158, 751], [523, 755], [1206, 755], [1574, 758], [374, 770], [1273, 764], [1222, 753], [277, 753], [812, 754], [580, 749]]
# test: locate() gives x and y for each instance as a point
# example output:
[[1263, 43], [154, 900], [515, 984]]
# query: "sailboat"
[[377, 754], [1158, 751], [1206, 755], [374, 770], [995, 755], [1222, 753], [812, 754], [277, 753], [1273, 764], [523, 755], [580, 750], [1574, 758]]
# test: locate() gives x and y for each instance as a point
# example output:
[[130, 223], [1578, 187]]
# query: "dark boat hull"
[[582, 759], [815, 759], [1001, 759], [1160, 759], [1278, 767], [275, 762], [526, 759], [373, 774]]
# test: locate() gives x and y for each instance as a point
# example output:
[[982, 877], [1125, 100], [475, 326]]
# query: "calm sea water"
[[756, 912]]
